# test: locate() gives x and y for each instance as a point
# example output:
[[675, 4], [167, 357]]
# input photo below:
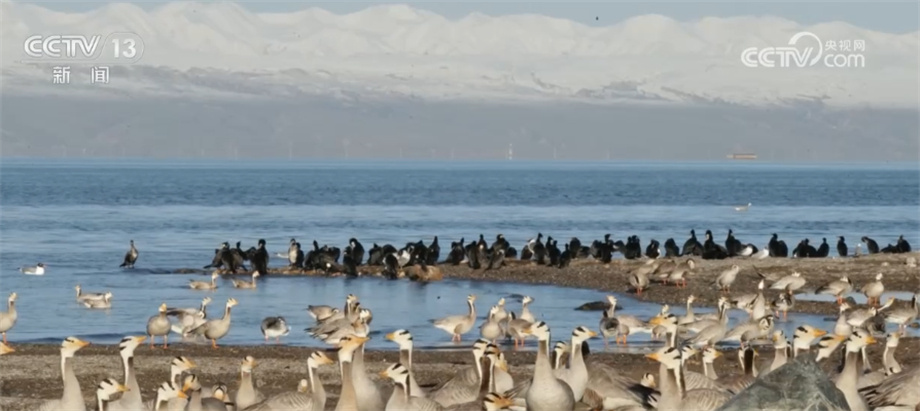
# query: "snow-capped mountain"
[[396, 50]]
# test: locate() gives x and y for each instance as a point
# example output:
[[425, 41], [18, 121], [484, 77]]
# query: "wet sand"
[[32, 373]]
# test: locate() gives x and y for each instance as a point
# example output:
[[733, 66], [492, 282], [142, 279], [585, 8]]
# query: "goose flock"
[[562, 376]]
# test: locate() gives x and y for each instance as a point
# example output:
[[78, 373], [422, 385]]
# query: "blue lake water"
[[77, 217]]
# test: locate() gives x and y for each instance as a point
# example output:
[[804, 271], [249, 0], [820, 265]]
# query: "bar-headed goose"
[[189, 318], [457, 325], [546, 393], [158, 325], [204, 285], [402, 398], [404, 339], [106, 390], [102, 304], [252, 285], [81, 296], [131, 400], [8, 319], [457, 389], [847, 380], [72, 399], [837, 288], [348, 400], [216, 329], [674, 395], [309, 396], [248, 394]]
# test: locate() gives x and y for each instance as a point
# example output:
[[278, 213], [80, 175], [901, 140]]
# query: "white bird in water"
[[38, 269], [743, 207]]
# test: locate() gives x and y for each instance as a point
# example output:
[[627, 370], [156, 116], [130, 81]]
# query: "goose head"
[[162, 309], [479, 348], [471, 298], [168, 390], [667, 320], [691, 298], [256, 274], [779, 339], [687, 352], [231, 302], [878, 277], [402, 338], [760, 285], [108, 388], [501, 302], [539, 329], [248, 364], [351, 299], [710, 354], [190, 382], [396, 372], [804, 335], [181, 364], [220, 392], [859, 339], [205, 301], [612, 301], [527, 300], [13, 297], [581, 334], [348, 345], [669, 356], [128, 344], [318, 358], [214, 275], [648, 380], [71, 345], [560, 348]]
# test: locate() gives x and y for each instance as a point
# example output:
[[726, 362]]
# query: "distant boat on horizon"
[[742, 156]]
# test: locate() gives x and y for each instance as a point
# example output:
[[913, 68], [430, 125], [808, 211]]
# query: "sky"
[[890, 16]]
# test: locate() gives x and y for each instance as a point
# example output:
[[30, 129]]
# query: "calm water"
[[77, 217]]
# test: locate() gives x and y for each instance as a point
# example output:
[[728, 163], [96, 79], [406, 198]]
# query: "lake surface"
[[77, 217]]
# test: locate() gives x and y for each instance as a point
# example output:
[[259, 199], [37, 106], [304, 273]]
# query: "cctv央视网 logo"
[[805, 49]]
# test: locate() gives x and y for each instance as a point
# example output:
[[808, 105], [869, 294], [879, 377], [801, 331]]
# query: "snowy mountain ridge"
[[408, 52]]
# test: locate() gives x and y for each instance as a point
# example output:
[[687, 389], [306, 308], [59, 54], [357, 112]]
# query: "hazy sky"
[[890, 16]]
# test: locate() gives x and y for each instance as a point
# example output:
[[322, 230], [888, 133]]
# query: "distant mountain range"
[[221, 49]]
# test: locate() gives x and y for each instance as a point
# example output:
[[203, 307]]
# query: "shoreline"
[[613, 277], [32, 373]]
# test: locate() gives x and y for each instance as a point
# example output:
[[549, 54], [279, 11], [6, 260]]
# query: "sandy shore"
[[32, 373]]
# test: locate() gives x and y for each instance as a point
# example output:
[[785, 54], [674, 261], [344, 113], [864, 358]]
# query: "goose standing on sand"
[[158, 325], [8, 319], [107, 389], [404, 339], [837, 288], [626, 324], [458, 325], [727, 277], [131, 401], [37, 269], [546, 393], [639, 281], [873, 290], [72, 399], [248, 394], [130, 257], [216, 329], [275, 327], [204, 285]]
